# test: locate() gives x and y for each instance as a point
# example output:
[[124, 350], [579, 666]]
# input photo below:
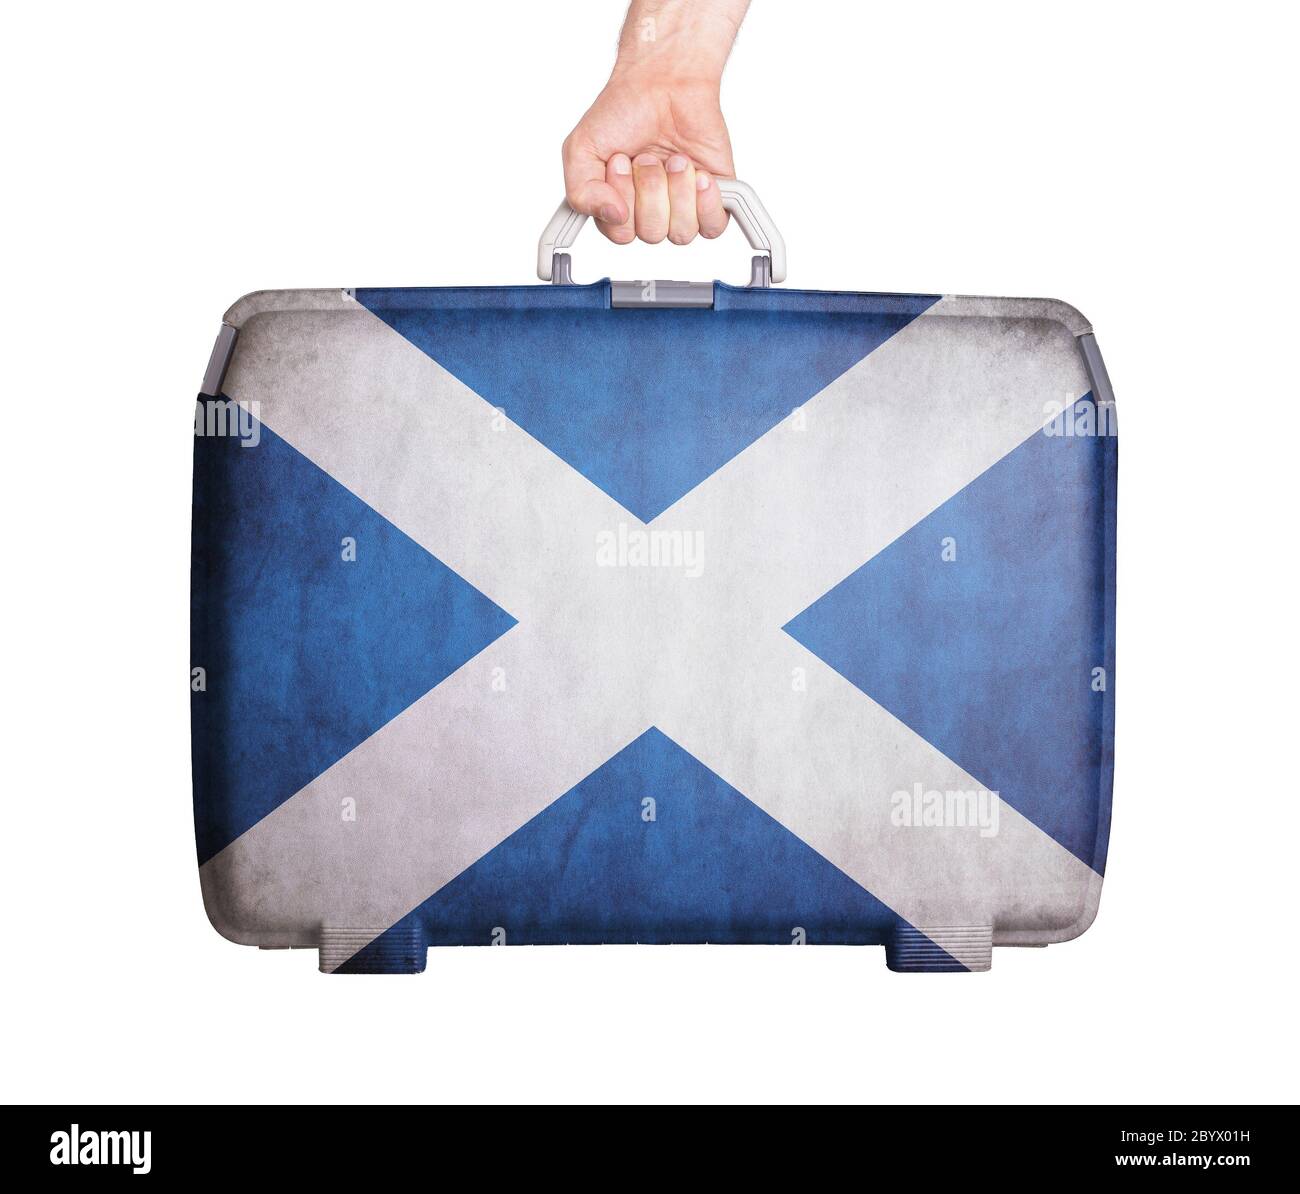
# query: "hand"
[[644, 159]]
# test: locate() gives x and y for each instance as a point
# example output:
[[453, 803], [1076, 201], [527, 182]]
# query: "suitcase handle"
[[737, 197]]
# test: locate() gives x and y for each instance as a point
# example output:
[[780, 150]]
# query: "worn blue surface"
[[711, 866], [644, 403], [306, 655], [989, 656]]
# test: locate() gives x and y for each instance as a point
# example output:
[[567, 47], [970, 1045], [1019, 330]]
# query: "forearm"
[[646, 156], [679, 39]]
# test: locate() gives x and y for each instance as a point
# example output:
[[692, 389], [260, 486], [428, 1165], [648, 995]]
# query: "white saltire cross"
[[601, 654]]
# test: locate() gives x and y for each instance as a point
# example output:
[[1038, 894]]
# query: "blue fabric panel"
[[1110, 489], [305, 655], [645, 403], [711, 866], [990, 656]]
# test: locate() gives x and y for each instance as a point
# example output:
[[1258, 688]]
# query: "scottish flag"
[[519, 619]]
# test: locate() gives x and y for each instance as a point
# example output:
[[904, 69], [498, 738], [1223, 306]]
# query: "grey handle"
[[737, 197]]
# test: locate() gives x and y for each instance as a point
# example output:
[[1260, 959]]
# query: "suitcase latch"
[[661, 292]]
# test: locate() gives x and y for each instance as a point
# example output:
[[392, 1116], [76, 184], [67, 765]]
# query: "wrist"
[[664, 73], [678, 40]]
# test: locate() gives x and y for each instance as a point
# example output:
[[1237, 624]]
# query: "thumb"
[[586, 189]]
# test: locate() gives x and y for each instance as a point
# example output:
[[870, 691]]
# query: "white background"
[[162, 159]]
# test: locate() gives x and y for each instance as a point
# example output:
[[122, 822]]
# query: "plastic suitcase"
[[652, 612]]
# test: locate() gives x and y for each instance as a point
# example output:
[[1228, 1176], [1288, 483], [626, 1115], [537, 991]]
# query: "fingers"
[[644, 197], [619, 176], [682, 223], [652, 211], [586, 188], [708, 205]]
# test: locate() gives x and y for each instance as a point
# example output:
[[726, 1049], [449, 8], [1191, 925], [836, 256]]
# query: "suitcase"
[[652, 612]]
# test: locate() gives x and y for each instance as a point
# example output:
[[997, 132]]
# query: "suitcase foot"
[[371, 951], [935, 950]]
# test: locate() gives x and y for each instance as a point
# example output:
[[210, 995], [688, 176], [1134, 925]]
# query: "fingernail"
[[701, 182], [645, 159], [622, 163], [676, 164], [610, 214]]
